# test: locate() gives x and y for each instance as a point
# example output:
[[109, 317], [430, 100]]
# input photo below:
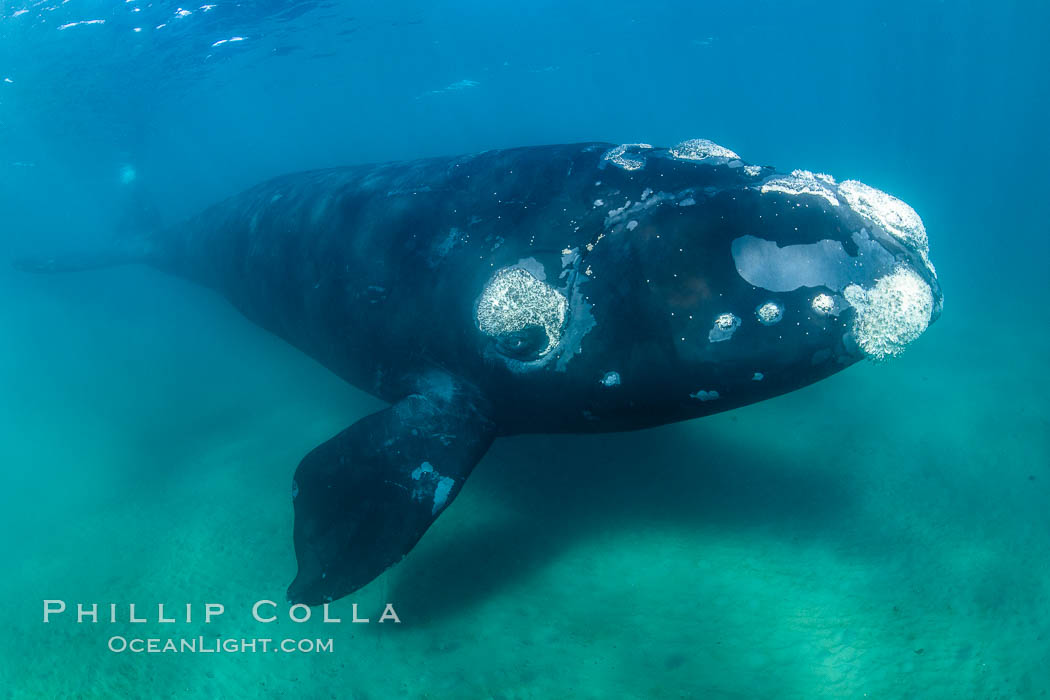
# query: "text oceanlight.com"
[[200, 645]]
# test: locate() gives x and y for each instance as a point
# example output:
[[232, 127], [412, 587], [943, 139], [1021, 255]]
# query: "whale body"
[[571, 288]]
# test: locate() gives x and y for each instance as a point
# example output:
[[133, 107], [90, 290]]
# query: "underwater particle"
[[700, 149], [823, 304], [127, 174], [705, 395], [892, 314], [769, 313], [757, 377], [724, 327], [610, 379], [620, 157], [892, 214], [803, 182], [513, 300]]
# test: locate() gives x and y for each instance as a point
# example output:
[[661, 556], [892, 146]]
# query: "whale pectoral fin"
[[364, 498]]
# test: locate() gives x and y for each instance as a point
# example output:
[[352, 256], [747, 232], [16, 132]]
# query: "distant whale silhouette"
[[574, 288]]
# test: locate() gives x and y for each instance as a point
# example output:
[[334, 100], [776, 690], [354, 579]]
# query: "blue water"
[[883, 532]]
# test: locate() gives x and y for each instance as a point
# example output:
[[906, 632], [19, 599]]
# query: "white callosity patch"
[[700, 149], [428, 480], [724, 327], [632, 210], [441, 492], [703, 395], [892, 314], [803, 182], [769, 313], [892, 214], [611, 379], [515, 300], [823, 304], [621, 158]]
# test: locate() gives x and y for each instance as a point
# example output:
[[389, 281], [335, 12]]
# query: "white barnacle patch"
[[424, 468], [610, 379], [621, 157], [630, 209], [803, 182], [823, 304], [753, 170], [422, 476], [769, 313], [514, 299], [703, 395], [568, 257], [700, 149], [892, 214], [892, 314], [724, 327]]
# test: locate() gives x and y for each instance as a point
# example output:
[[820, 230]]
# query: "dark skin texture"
[[376, 271]]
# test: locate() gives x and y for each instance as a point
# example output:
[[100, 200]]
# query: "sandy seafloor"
[[883, 533]]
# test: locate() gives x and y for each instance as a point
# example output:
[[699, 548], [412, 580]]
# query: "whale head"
[[709, 283]]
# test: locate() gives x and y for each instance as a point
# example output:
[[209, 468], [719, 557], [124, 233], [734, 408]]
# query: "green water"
[[881, 534]]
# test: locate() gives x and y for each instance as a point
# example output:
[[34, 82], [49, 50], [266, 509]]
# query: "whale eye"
[[524, 344]]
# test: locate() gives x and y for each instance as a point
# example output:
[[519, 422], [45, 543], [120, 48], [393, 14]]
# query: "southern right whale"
[[572, 288]]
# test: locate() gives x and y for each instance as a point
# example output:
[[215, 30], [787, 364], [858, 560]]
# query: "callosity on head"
[[704, 282]]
